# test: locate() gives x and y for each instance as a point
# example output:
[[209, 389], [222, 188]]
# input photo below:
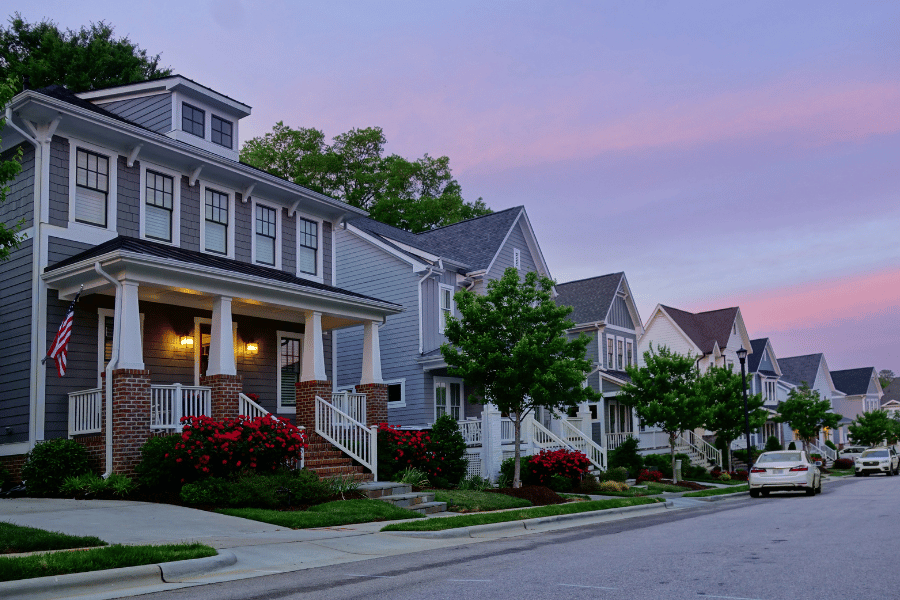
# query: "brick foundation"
[[224, 391], [306, 402], [13, 464], [376, 402], [131, 418]]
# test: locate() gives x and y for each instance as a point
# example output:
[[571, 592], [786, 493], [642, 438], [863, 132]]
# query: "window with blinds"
[[289, 370], [159, 203], [216, 225], [307, 246], [91, 187], [265, 235]]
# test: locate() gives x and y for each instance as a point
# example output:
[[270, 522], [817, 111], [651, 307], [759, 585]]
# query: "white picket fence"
[[348, 434], [351, 404], [85, 412], [168, 403]]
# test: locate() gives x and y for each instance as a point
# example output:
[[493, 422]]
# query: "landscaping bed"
[[330, 514], [538, 495], [718, 491]]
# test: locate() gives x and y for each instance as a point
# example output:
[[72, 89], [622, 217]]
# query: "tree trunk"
[[672, 453], [517, 472], [729, 454]]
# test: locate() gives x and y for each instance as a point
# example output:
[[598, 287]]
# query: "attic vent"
[[517, 258]]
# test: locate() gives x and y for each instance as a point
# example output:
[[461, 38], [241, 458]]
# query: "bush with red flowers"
[[399, 449], [647, 475], [843, 463], [740, 475], [570, 464]]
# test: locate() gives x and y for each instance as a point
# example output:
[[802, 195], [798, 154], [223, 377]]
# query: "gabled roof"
[[799, 369], [758, 346], [853, 382], [590, 298], [705, 329], [62, 93], [892, 391]]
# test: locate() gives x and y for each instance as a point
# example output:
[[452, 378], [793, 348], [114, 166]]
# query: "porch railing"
[[348, 434], [168, 403], [577, 440], [471, 432], [822, 451], [352, 404], [85, 411], [507, 431], [614, 440], [249, 408], [704, 449]]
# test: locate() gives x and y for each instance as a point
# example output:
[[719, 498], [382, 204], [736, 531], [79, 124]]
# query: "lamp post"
[[742, 356]]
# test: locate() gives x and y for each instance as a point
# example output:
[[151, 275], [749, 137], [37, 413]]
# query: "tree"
[[806, 413], [885, 377], [873, 428], [9, 168], [87, 59], [510, 346], [414, 195], [663, 393], [721, 390]]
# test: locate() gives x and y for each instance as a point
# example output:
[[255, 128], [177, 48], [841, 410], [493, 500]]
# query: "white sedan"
[[789, 470]]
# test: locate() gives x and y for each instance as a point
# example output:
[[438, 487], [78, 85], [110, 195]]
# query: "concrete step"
[[408, 500], [377, 489], [427, 508]]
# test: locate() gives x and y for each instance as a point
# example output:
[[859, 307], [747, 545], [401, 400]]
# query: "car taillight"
[[757, 470], [800, 469]]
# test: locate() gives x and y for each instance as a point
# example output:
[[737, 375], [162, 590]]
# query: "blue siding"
[[243, 229], [504, 258], [190, 215], [128, 199], [19, 205], [59, 182], [619, 315], [15, 324], [152, 112], [289, 243]]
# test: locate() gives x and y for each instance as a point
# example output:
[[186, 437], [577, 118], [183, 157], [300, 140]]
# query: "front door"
[[448, 395]]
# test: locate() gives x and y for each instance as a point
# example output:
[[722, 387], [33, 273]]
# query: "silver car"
[[785, 470], [878, 460]]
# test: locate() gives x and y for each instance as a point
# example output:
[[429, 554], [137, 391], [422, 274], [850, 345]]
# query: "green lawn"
[[16, 538], [96, 559], [517, 515], [467, 501], [840, 472], [718, 491], [330, 514], [711, 480], [653, 488]]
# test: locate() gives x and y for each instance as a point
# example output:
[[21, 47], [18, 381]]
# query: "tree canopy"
[[9, 168], [807, 413], [873, 428], [510, 347], [885, 377], [416, 195], [87, 59]]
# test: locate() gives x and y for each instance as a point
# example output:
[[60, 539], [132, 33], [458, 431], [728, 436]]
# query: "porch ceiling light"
[[252, 347], [187, 340]]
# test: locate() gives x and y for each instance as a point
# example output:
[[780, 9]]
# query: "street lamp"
[[742, 356]]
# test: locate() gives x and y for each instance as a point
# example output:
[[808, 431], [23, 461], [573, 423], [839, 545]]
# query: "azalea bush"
[[539, 469], [399, 450], [647, 475], [49, 463], [843, 463]]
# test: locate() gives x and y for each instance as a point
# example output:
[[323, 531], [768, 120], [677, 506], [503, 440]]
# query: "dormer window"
[[221, 132], [193, 120]]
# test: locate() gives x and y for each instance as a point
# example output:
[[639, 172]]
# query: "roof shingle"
[[590, 298], [705, 328]]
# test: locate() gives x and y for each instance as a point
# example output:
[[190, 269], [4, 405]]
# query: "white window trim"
[[629, 344], [402, 382], [111, 195], [462, 396], [610, 364], [102, 313], [279, 336], [176, 202], [619, 366], [198, 344], [320, 251], [231, 224], [278, 232], [441, 288]]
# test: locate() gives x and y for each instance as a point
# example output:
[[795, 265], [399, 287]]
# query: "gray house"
[[812, 369], [862, 393], [205, 283]]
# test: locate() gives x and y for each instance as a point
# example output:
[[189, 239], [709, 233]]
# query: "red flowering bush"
[[646, 475], [210, 448], [565, 463], [399, 449], [740, 475]]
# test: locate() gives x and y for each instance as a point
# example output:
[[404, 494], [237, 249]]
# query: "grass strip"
[[96, 559], [840, 472], [517, 515], [330, 514], [718, 491], [468, 501], [711, 480], [17, 538], [653, 488]]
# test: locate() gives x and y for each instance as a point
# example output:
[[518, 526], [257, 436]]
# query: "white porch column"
[[131, 352], [313, 368], [601, 417], [491, 436], [371, 365], [584, 413], [221, 343]]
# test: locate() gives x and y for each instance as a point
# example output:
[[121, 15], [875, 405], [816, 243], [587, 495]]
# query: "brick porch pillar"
[[306, 402], [376, 402], [224, 390], [131, 417]]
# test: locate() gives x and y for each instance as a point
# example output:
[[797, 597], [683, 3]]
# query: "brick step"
[[332, 453], [323, 471]]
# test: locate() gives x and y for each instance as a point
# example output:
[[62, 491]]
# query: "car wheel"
[[765, 493], [754, 493], [810, 491], [819, 489], [857, 474]]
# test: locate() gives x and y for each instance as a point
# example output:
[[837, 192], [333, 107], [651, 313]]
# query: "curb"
[[527, 524], [93, 582], [722, 497]]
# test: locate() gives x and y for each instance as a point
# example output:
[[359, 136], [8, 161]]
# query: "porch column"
[[371, 365], [601, 418], [584, 413], [313, 367], [131, 353], [221, 343], [491, 442], [131, 418]]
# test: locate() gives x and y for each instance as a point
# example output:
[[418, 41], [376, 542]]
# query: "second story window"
[[609, 354], [629, 352], [158, 212], [193, 120], [446, 306], [216, 224], [620, 349], [307, 246], [221, 132], [265, 235], [92, 187]]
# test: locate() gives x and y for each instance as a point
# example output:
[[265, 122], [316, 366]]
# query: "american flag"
[[61, 341]]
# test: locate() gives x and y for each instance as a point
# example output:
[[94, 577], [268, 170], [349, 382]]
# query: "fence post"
[[178, 401], [71, 416], [373, 449]]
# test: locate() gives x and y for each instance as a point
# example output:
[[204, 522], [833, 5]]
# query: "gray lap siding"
[[128, 199], [15, 354], [152, 112], [19, 204], [59, 181]]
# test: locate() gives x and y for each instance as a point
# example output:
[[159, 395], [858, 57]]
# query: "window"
[[91, 187], [445, 292], [620, 351], [216, 226], [221, 132], [517, 258], [308, 246], [289, 355], [105, 330], [609, 354], [396, 392], [193, 120], [159, 200], [629, 352], [266, 220], [448, 398]]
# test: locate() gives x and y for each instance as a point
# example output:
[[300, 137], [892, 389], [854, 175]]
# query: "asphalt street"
[[841, 544]]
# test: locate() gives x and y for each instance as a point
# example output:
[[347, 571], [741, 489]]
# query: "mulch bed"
[[538, 495], [690, 485]]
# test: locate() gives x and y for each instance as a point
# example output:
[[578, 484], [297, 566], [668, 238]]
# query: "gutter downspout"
[[113, 362], [419, 288]]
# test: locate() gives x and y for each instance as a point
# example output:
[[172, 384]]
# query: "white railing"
[[168, 403], [348, 434], [85, 411], [351, 404], [471, 432], [248, 408], [614, 440], [545, 439], [707, 451], [577, 440], [822, 451], [507, 431], [653, 439]]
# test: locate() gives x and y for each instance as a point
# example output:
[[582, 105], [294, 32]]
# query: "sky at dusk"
[[720, 153]]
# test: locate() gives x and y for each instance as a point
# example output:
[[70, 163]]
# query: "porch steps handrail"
[[707, 451], [823, 451], [352, 404], [471, 432], [169, 403], [85, 412], [578, 440], [545, 439], [248, 408], [348, 435]]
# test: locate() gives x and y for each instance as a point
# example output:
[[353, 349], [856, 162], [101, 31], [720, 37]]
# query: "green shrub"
[[448, 463], [589, 484], [5, 478], [49, 463], [281, 488], [689, 471], [526, 473], [792, 446], [90, 483], [616, 474], [831, 445], [474, 483], [614, 486], [626, 456], [663, 463], [772, 444], [723, 476], [413, 476], [158, 470], [558, 483]]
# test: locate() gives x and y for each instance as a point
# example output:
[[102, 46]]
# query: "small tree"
[[9, 168], [885, 377], [872, 428], [722, 392], [510, 346], [663, 393], [806, 413]]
